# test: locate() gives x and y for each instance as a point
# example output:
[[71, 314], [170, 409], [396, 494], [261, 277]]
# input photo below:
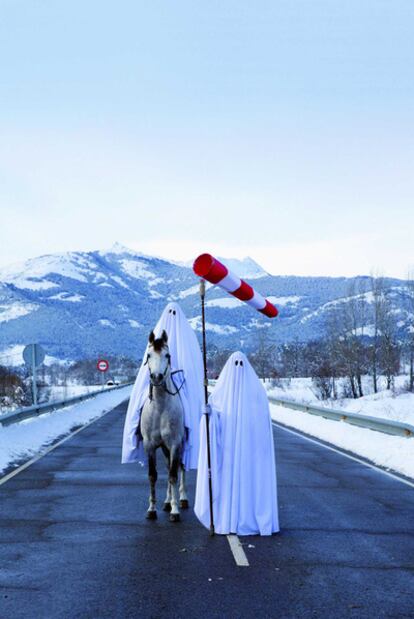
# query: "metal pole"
[[34, 378], [210, 485]]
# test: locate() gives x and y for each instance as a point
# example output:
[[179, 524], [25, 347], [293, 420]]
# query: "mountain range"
[[89, 304]]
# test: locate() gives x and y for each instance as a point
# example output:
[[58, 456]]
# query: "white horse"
[[162, 425]]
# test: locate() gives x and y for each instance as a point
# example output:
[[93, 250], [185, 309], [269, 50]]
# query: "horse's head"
[[158, 358]]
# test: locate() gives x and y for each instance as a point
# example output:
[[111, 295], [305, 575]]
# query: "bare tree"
[[352, 319], [410, 327], [291, 359], [390, 354], [263, 358], [377, 290]]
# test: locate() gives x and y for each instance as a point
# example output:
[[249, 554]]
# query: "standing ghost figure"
[[186, 356], [242, 455]]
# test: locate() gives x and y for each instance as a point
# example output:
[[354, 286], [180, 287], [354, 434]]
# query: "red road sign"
[[102, 365]]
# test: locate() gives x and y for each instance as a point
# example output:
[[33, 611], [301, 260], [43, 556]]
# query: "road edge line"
[[338, 450], [44, 452]]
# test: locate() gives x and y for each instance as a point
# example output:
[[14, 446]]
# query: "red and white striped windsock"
[[211, 269]]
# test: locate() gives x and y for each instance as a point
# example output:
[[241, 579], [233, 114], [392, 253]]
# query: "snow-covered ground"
[[56, 393], [388, 451], [394, 404], [60, 392], [22, 440]]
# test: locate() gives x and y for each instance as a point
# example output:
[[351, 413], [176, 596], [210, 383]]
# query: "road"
[[75, 542]]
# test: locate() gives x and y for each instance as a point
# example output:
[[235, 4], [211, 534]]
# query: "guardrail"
[[388, 426], [32, 411]]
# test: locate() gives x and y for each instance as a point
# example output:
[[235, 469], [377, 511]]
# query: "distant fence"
[[33, 411], [388, 426]]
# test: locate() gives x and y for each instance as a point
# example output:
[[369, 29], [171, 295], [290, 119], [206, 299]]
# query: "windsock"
[[211, 269]]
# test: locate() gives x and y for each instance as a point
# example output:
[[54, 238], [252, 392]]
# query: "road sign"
[[33, 355], [102, 365]]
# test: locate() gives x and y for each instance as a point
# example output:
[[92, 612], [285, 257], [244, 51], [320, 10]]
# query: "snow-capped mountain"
[[85, 304], [246, 267]]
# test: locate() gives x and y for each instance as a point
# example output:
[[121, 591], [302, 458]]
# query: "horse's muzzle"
[[157, 379]]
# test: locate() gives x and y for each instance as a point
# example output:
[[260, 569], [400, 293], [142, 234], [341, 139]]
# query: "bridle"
[[163, 383]]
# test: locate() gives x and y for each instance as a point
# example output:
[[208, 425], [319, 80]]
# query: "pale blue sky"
[[282, 130]]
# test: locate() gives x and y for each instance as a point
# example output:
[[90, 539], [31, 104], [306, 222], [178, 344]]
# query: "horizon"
[[187, 262]]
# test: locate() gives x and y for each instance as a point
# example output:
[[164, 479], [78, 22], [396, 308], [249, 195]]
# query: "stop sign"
[[102, 365]]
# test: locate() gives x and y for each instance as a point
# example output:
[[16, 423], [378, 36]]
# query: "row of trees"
[[13, 388], [362, 337]]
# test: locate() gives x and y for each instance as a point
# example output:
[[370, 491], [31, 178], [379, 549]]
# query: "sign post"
[[207, 418], [102, 366], [33, 356]]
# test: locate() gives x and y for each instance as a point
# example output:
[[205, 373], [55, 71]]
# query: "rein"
[[178, 389]]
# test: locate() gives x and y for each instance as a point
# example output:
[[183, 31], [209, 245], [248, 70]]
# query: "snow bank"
[[295, 389], [391, 452], [396, 405], [23, 440]]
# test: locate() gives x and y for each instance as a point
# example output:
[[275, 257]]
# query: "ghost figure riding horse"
[[162, 425]]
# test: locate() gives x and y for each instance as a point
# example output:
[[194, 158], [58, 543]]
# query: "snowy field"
[[58, 393], [396, 404], [21, 441], [391, 452]]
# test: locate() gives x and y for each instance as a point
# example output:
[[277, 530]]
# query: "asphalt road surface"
[[75, 542]]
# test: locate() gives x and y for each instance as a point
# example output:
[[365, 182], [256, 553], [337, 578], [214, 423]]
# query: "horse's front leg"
[[167, 503], [183, 491], [173, 476], [152, 476]]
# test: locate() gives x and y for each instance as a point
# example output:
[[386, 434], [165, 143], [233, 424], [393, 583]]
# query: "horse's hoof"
[[184, 504], [151, 515], [174, 517], [166, 507]]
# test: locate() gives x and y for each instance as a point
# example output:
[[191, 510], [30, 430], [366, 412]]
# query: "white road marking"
[[346, 455], [44, 452], [237, 550]]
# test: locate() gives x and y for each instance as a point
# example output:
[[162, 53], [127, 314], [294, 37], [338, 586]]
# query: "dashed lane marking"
[[237, 550]]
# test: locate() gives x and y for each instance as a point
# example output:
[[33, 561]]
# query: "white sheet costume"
[[242, 455], [185, 355]]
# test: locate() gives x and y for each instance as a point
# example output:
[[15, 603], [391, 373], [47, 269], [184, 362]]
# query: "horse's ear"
[[164, 336], [151, 338]]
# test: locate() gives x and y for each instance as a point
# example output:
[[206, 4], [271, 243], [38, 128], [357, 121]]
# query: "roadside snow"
[[295, 389], [60, 392], [23, 440], [391, 452], [397, 405]]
